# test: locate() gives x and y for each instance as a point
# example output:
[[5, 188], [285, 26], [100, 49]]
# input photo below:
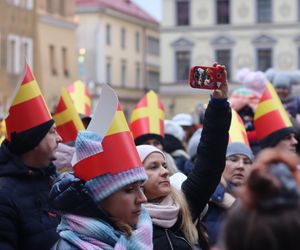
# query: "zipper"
[[182, 239], [166, 230]]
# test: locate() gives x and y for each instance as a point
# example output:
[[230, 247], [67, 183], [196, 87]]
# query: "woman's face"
[[125, 204], [158, 183], [237, 169]]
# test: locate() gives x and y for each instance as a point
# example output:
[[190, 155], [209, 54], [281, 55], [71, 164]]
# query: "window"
[[182, 65], [264, 59], [123, 38], [123, 73], [153, 80], [27, 50], [153, 45], [108, 71], [29, 4], [137, 41], [223, 57], [13, 56], [108, 34], [52, 60], [138, 75], [264, 11], [183, 13], [16, 2], [223, 11], [64, 54]]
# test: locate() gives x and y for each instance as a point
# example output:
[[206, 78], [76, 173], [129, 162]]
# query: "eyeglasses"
[[236, 160]]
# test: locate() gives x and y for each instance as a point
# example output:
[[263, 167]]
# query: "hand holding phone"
[[205, 77]]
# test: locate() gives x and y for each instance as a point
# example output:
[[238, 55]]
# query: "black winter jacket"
[[205, 176], [26, 221]]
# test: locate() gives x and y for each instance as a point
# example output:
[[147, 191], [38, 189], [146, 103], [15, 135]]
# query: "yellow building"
[[118, 44], [43, 32], [257, 34], [55, 48], [17, 34]]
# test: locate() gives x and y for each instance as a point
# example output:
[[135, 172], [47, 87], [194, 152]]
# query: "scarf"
[[95, 234], [165, 213]]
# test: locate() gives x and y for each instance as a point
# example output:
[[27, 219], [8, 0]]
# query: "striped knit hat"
[[88, 145], [107, 158]]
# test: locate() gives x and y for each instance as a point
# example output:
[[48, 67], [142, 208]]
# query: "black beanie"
[[143, 138], [272, 139], [27, 140]]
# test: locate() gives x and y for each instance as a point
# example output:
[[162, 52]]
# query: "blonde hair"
[[187, 226]]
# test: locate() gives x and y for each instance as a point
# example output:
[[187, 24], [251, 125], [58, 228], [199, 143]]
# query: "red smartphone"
[[205, 77]]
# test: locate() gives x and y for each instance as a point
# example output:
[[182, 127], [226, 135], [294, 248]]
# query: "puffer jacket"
[[204, 177], [26, 220]]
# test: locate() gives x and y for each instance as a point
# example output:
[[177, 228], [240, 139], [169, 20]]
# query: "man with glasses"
[[239, 158]]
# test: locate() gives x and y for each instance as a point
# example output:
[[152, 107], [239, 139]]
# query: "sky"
[[153, 7]]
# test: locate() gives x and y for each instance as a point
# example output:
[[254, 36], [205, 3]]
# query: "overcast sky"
[[153, 7]]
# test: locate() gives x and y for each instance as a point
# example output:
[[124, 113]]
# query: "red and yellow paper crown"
[[66, 118], [270, 115], [237, 131], [28, 108], [81, 97], [119, 152], [148, 116], [2, 130]]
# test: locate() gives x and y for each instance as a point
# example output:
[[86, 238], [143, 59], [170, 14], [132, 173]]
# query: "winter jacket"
[[211, 157], [220, 202], [205, 176], [26, 220], [170, 238]]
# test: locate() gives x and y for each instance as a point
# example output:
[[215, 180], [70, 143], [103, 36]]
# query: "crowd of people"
[[226, 181]]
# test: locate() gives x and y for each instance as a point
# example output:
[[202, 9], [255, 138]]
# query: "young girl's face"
[[158, 183], [125, 204]]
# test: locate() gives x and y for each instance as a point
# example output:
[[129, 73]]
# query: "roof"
[[124, 6]]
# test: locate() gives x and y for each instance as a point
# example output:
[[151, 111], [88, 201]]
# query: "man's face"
[[288, 143], [154, 142], [283, 92], [46, 149]]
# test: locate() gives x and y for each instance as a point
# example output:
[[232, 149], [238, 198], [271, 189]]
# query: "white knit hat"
[[183, 119], [172, 128], [145, 150]]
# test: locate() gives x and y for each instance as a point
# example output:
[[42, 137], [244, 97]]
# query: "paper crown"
[[67, 120], [80, 97], [117, 140], [270, 117], [113, 163], [148, 116], [2, 130], [237, 131], [28, 108]]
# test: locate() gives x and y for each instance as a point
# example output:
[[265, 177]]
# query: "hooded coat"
[[26, 220]]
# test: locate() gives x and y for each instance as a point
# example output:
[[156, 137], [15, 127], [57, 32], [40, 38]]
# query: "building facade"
[[118, 44], [55, 49], [258, 34], [17, 35], [44, 33]]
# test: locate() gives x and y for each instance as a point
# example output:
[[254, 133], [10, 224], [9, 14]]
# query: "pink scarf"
[[165, 213]]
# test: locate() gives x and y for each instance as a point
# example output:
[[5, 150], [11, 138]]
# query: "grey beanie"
[[237, 148], [282, 80]]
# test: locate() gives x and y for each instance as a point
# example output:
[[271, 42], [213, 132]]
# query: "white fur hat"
[[172, 128], [183, 119]]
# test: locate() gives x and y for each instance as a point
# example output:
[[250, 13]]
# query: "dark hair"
[[268, 213]]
